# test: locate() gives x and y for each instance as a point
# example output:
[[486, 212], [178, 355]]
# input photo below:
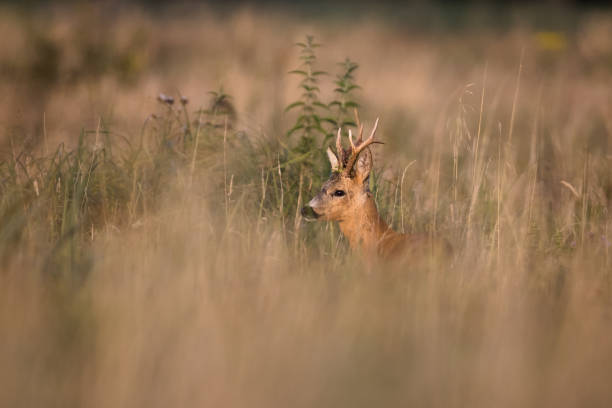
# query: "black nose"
[[308, 213]]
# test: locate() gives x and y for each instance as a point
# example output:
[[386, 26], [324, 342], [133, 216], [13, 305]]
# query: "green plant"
[[344, 99], [308, 124]]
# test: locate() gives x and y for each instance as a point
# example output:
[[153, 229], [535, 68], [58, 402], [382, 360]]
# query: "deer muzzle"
[[308, 211]]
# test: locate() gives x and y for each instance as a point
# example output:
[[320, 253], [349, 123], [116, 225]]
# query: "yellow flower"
[[551, 40]]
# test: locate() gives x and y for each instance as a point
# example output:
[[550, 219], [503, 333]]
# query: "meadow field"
[[153, 163]]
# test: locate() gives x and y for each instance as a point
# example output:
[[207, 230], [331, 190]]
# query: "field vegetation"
[[152, 168]]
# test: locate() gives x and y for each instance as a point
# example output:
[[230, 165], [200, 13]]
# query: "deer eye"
[[339, 193]]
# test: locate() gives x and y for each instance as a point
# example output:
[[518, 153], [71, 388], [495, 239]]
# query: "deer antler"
[[339, 148], [359, 125], [355, 150]]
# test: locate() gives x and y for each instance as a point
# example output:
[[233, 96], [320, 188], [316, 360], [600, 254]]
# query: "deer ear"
[[363, 166], [333, 160]]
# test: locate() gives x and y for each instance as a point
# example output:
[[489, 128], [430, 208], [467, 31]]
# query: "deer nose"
[[309, 213]]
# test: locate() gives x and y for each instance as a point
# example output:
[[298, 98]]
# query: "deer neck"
[[363, 227]]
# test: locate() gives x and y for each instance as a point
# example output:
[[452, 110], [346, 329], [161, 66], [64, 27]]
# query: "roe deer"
[[345, 197]]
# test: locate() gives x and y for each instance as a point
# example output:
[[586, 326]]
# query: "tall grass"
[[169, 266]]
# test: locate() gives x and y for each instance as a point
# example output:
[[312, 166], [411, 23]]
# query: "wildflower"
[[163, 98], [551, 40]]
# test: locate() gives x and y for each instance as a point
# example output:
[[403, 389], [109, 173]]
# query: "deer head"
[[345, 193]]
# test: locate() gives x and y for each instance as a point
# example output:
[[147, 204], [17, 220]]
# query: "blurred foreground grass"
[[158, 259]]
